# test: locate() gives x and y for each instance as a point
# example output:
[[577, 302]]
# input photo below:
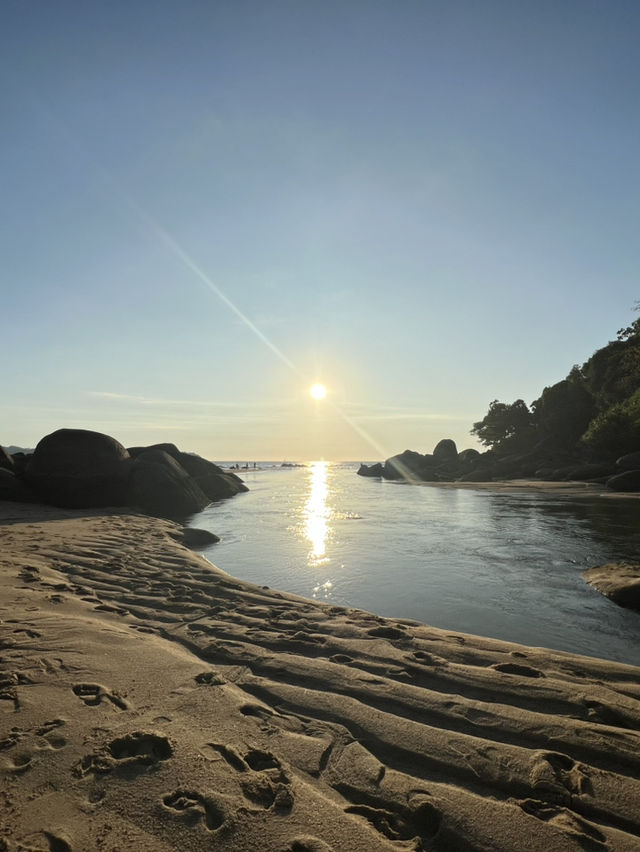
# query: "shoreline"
[[154, 702], [570, 488]]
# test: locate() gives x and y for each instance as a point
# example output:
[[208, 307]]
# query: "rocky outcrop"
[[629, 462], [159, 486], [627, 481], [445, 452], [410, 465], [370, 470], [78, 468], [13, 488], [618, 581], [446, 464], [6, 462], [215, 482]]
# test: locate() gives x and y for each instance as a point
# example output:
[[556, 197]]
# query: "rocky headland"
[[446, 464], [81, 469]]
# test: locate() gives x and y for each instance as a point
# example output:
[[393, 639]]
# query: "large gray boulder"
[[468, 459], [78, 468], [445, 451], [160, 486], [627, 481], [629, 462], [215, 482], [411, 466], [12, 488], [6, 462]]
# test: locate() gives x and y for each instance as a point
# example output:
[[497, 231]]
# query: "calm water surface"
[[490, 563]]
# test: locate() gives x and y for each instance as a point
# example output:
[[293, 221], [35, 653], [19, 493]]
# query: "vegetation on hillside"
[[593, 413]]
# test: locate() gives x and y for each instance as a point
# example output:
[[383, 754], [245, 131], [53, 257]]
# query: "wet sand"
[[149, 701]]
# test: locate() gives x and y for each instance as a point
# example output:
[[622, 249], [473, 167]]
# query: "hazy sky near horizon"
[[208, 206]]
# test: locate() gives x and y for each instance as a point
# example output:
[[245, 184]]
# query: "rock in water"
[[370, 470]]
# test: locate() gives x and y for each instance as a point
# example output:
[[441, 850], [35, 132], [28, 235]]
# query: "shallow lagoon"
[[494, 563]]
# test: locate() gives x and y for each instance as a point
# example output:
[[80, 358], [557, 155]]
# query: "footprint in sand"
[[265, 782], [517, 669], [195, 808], [133, 751], [12, 739], [57, 843], [308, 844], [210, 679], [342, 659], [420, 819], [565, 820], [559, 777], [388, 633], [93, 694], [21, 762]]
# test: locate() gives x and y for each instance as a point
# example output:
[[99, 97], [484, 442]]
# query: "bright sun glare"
[[318, 391]]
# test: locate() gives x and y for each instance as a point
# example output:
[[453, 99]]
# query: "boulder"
[[213, 480], [627, 481], [6, 462], [20, 461], [159, 486], [445, 451], [468, 459], [195, 538], [12, 488], [410, 465], [629, 462], [618, 581], [370, 470], [77, 468]]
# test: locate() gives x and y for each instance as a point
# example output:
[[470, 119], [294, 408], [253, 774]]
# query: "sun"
[[318, 391]]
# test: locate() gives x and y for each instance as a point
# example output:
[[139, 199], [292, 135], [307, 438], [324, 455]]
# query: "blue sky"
[[207, 206]]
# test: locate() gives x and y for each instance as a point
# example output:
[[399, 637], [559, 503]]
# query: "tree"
[[563, 411], [616, 431], [505, 426]]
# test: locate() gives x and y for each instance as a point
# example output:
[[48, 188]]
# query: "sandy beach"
[[150, 701]]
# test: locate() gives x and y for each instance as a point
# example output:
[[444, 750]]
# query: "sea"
[[494, 563]]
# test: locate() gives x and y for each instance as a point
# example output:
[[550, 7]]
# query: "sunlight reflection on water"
[[497, 564], [318, 515], [317, 512]]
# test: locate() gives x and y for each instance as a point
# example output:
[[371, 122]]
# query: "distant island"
[[585, 427]]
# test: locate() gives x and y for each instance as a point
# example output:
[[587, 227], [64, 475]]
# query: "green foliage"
[[612, 373], [632, 330], [616, 431], [564, 411], [505, 426], [597, 407]]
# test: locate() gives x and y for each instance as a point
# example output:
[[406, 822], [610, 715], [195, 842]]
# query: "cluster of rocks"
[[446, 464], [79, 469]]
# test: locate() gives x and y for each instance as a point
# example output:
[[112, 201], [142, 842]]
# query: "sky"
[[208, 206]]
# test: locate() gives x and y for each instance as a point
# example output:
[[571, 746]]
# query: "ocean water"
[[506, 565]]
